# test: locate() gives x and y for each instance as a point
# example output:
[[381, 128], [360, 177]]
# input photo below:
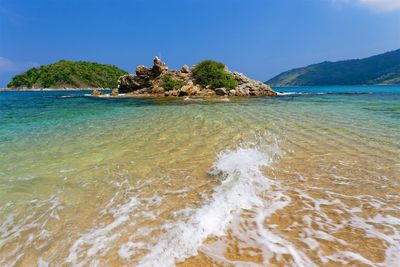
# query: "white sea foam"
[[243, 187], [29, 230], [300, 93], [42, 263], [241, 182], [322, 227], [22, 178], [288, 93], [89, 245], [68, 96]]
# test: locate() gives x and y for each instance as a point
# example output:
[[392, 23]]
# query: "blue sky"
[[258, 37]]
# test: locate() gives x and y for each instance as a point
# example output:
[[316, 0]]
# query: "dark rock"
[[220, 91], [128, 83], [142, 71], [158, 67]]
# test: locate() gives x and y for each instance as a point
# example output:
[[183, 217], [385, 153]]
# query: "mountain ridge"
[[378, 69]]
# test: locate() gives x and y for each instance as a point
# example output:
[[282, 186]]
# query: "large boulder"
[[220, 91], [158, 67], [185, 69], [128, 83], [189, 89], [242, 91], [143, 72], [144, 77]]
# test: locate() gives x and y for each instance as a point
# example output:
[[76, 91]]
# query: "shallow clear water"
[[308, 178]]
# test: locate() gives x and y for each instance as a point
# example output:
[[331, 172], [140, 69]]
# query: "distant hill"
[[379, 69], [68, 74]]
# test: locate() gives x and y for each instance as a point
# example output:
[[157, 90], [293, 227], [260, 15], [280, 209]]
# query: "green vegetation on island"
[[214, 74], [379, 69], [170, 83], [68, 74]]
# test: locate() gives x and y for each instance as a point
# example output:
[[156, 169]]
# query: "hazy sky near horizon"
[[258, 37]]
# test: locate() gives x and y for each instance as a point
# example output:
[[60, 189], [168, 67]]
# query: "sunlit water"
[[302, 179]]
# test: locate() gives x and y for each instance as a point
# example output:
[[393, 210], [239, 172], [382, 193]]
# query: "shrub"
[[169, 83], [212, 73]]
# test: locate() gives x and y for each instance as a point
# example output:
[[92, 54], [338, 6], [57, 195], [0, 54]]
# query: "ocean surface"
[[308, 178]]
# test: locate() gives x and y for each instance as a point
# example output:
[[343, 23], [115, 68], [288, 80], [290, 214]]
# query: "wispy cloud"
[[382, 5], [375, 5], [8, 65]]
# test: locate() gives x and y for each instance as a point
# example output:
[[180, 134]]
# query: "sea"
[[310, 177]]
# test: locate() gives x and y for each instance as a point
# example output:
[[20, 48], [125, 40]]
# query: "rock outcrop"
[[185, 69], [97, 92], [160, 81]]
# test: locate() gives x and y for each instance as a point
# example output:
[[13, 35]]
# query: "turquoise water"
[[374, 89], [89, 181]]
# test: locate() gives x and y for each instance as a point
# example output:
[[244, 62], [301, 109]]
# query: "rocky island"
[[207, 78]]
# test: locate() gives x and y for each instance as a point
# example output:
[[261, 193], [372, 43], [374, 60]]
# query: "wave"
[[69, 96], [63, 96], [299, 93], [294, 93], [327, 93], [241, 182], [243, 187]]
